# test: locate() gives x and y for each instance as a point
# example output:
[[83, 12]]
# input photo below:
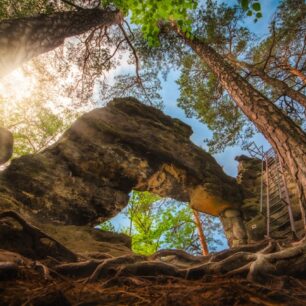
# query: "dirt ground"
[[30, 289]]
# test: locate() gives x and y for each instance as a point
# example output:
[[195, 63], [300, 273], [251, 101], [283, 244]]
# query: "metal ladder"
[[275, 193]]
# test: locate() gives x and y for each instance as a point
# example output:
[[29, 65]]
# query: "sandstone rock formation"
[[86, 176], [6, 145], [249, 178]]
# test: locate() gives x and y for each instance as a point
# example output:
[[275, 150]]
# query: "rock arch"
[[86, 176]]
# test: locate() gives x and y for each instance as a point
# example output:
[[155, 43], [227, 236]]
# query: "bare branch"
[[134, 52], [271, 47], [138, 78], [72, 4]]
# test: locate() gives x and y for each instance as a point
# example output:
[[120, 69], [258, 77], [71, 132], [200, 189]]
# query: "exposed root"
[[78, 269], [150, 269], [243, 248], [45, 269], [260, 273], [109, 267], [233, 262], [8, 270], [180, 255]]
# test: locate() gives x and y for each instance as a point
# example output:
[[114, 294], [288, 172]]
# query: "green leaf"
[[249, 13], [245, 4], [256, 6]]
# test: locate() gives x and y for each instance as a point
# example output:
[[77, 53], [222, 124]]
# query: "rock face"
[[249, 178], [87, 175], [6, 145]]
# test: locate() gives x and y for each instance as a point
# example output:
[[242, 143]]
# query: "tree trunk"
[[284, 135], [24, 38], [281, 87], [201, 233]]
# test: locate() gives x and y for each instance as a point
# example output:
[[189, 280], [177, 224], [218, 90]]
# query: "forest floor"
[[40, 271], [31, 289]]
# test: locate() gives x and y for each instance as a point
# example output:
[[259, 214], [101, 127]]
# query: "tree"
[[24, 38], [39, 111], [202, 237], [157, 223], [279, 59], [285, 136], [283, 51], [201, 94], [106, 226]]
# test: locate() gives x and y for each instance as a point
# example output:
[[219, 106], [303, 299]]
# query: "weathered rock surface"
[[6, 145], [86, 176], [249, 178]]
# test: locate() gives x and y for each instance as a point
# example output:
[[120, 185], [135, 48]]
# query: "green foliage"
[[149, 13], [35, 108], [34, 125], [252, 8], [145, 236], [162, 223], [22, 8], [287, 31], [202, 96], [282, 49], [106, 226], [221, 26]]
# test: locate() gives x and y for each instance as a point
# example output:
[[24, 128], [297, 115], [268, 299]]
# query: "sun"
[[17, 86]]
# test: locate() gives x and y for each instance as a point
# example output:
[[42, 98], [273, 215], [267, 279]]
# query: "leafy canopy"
[[148, 14]]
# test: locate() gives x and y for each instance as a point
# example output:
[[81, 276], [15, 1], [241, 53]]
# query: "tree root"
[[243, 248], [8, 270], [110, 267], [152, 268], [268, 263], [264, 273], [180, 255], [78, 269]]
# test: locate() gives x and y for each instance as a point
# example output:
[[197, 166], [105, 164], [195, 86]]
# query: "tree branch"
[[73, 4]]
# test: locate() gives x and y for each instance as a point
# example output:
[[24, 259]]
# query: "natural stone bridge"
[[86, 176]]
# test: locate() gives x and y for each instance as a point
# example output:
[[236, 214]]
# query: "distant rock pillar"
[[6, 145], [234, 228]]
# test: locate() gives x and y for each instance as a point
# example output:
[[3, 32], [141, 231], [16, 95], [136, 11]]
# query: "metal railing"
[[273, 188]]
